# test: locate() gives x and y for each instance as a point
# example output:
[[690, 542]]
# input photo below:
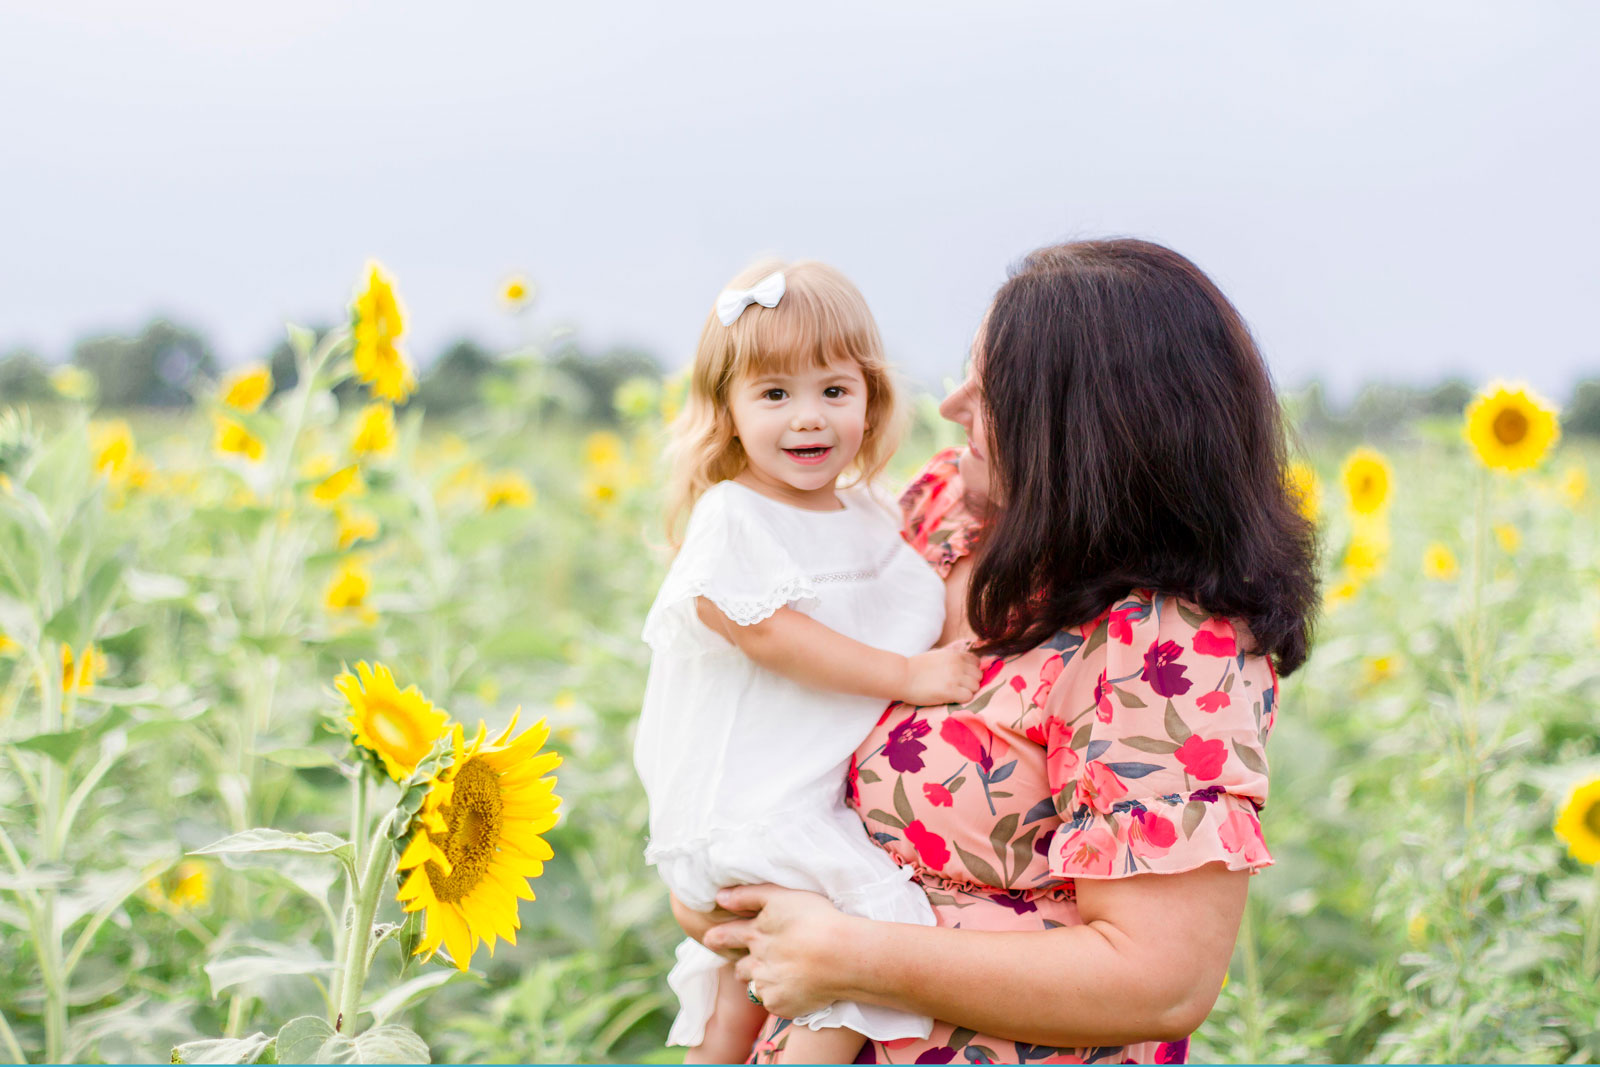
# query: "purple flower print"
[[903, 748], [1162, 670], [1016, 900], [942, 1054], [1173, 1051]]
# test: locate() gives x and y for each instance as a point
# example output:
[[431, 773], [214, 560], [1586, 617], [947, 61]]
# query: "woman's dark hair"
[[1135, 443]]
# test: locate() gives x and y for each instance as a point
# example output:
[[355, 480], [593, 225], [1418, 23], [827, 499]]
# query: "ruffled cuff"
[[1161, 835]]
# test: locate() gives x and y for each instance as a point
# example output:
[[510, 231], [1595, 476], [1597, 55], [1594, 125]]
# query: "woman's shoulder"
[[935, 520]]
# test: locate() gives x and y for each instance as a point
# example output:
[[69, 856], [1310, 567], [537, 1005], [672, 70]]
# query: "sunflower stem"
[[1591, 935], [379, 866]]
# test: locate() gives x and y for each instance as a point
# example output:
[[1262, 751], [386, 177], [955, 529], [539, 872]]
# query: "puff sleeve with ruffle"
[[730, 557], [934, 516], [1155, 743]]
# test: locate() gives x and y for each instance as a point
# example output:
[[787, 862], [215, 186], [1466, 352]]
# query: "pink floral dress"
[[1131, 744]]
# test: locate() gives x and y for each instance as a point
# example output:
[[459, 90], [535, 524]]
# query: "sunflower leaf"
[[300, 1038], [264, 839], [383, 1044], [225, 1050]]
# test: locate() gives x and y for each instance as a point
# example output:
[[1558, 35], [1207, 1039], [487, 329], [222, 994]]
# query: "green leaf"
[[407, 993], [1250, 758], [868, 776], [1000, 836], [62, 746], [979, 867], [224, 974], [1150, 744], [958, 1039], [1096, 638], [1196, 619], [384, 1044], [902, 806], [263, 839], [1176, 728], [957, 782], [884, 817], [1193, 812], [1127, 699], [301, 1037], [225, 1050], [1022, 851], [300, 757]]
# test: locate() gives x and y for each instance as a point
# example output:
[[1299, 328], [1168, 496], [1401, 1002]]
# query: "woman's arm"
[[799, 647], [1146, 965]]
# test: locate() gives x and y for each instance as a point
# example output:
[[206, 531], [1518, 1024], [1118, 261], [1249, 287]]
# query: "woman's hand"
[[788, 949], [698, 923]]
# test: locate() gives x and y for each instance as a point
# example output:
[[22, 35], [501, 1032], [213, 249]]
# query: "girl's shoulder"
[[935, 520]]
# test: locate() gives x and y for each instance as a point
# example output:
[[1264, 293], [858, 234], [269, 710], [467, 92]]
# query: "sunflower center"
[[472, 820], [1591, 818], [397, 733], [1510, 427]]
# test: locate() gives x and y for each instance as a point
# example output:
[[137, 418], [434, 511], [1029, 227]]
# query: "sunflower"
[[1508, 537], [1369, 547], [112, 442], [516, 293], [347, 591], [356, 526], [1366, 481], [507, 489], [1510, 426], [1574, 485], [1439, 563], [374, 434], [343, 482], [247, 388], [472, 840], [399, 726], [80, 673], [1578, 824], [1305, 489], [379, 322], [232, 438]]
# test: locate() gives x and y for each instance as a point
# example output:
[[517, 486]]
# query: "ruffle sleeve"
[[730, 557], [934, 516], [1156, 744]]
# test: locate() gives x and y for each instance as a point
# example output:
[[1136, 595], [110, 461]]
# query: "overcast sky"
[[1387, 191]]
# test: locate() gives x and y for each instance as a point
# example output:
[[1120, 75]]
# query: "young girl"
[[792, 613]]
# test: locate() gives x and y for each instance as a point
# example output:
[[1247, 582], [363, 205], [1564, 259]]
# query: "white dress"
[[744, 769]]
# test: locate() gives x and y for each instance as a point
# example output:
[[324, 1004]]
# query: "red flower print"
[[991, 670], [887, 708], [1173, 1051], [931, 849], [1240, 832], [1162, 670], [956, 734], [937, 794], [1036, 734], [1214, 701], [1216, 638], [852, 783], [1100, 787], [1047, 679], [903, 748], [1102, 699], [1088, 852], [1151, 834], [1202, 758], [1119, 627], [1017, 683], [1061, 760]]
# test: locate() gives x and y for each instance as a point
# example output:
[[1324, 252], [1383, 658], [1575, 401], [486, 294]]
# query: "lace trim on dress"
[[866, 575], [750, 612]]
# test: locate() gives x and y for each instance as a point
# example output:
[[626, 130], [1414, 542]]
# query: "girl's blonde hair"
[[821, 319]]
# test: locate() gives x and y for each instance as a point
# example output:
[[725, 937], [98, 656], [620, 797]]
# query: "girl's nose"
[[807, 420]]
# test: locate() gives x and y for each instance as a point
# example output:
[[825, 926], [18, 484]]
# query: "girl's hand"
[[790, 949], [699, 923], [947, 675]]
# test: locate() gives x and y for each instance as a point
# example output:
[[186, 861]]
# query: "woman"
[[1119, 539]]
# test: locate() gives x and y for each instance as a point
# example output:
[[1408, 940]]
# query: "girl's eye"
[[833, 392], [773, 394]]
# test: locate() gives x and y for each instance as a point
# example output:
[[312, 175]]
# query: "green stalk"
[[368, 891], [1254, 1037], [1591, 935], [13, 1049]]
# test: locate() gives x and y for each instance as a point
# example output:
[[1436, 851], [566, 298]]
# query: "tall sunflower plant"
[[453, 851]]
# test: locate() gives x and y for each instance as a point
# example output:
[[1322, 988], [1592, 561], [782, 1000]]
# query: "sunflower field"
[[316, 720]]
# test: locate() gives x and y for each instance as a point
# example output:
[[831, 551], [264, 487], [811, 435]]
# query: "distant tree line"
[[167, 365]]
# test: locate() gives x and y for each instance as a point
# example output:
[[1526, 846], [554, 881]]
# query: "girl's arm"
[[800, 648], [1146, 965]]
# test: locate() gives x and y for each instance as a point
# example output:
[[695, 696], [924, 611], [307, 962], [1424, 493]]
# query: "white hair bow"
[[732, 302]]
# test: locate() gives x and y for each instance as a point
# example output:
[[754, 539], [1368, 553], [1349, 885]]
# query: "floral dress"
[[1134, 743]]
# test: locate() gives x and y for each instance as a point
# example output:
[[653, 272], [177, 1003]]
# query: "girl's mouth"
[[809, 456]]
